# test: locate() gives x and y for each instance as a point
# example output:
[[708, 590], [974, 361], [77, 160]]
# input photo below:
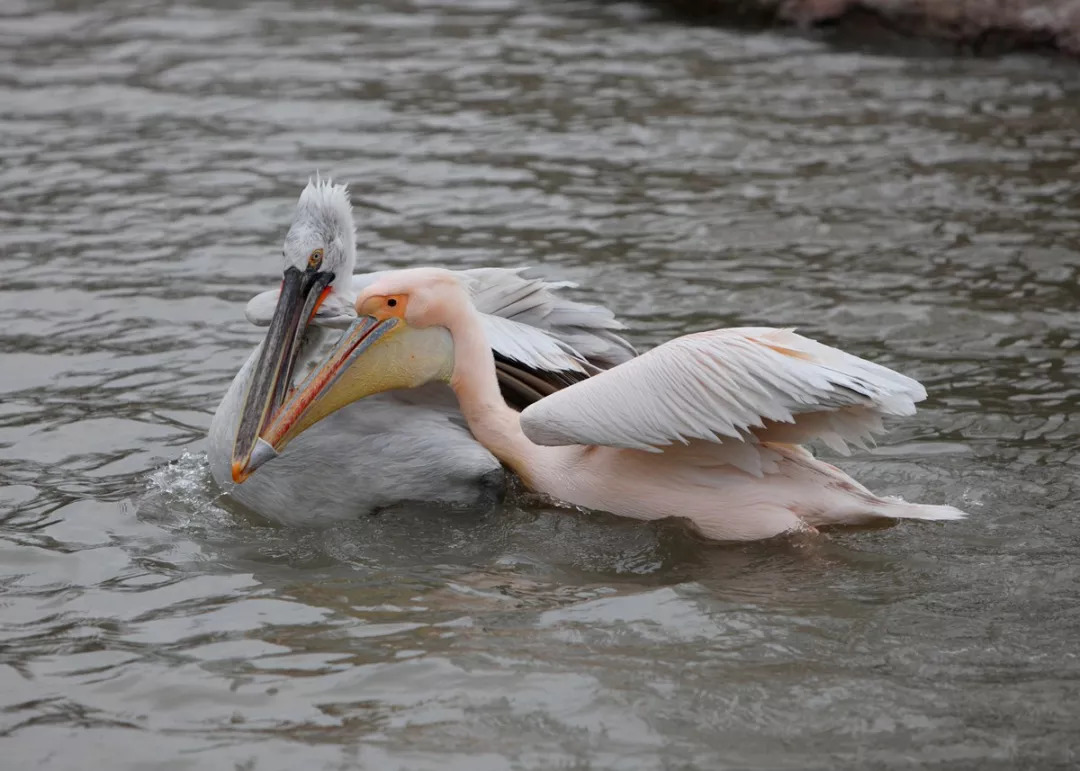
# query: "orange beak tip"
[[239, 473]]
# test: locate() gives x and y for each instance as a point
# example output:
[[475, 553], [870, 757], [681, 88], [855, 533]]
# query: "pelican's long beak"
[[359, 337], [301, 294], [373, 356]]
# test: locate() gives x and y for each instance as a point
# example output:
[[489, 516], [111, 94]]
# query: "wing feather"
[[752, 385], [529, 320]]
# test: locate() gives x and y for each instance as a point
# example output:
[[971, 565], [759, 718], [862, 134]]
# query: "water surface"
[[921, 212]]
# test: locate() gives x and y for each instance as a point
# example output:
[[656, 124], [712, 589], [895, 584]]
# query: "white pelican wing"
[[525, 320], [746, 384]]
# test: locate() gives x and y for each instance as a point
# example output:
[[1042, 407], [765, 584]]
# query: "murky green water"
[[922, 212]]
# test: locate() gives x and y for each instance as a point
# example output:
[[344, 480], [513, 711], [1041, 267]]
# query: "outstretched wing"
[[748, 385]]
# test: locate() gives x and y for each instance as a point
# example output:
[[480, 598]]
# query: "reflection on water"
[[921, 212]]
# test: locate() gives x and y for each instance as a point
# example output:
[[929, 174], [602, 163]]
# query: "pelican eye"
[[392, 302], [315, 259]]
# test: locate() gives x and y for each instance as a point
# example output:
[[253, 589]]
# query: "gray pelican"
[[409, 445], [705, 427]]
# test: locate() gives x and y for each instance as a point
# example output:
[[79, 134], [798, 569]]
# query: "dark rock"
[[979, 25]]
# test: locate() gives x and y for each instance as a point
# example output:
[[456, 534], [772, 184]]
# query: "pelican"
[[403, 446], [705, 427]]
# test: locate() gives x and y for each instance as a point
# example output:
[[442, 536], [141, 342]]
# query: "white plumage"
[[745, 385]]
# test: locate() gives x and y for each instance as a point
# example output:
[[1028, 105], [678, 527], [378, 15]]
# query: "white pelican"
[[704, 427], [402, 446]]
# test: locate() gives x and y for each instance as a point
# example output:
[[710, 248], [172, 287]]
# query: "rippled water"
[[919, 211]]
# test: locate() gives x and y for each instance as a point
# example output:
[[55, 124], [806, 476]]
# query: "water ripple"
[[917, 211]]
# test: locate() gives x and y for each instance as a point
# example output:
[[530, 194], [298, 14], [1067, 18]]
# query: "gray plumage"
[[413, 445]]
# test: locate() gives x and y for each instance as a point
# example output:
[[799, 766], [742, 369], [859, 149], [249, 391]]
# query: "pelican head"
[[400, 339], [322, 234], [319, 256]]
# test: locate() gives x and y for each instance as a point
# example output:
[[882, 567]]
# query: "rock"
[[981, 25]]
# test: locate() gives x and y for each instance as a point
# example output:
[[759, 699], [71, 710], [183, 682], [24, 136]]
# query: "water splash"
[[183, 496]]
